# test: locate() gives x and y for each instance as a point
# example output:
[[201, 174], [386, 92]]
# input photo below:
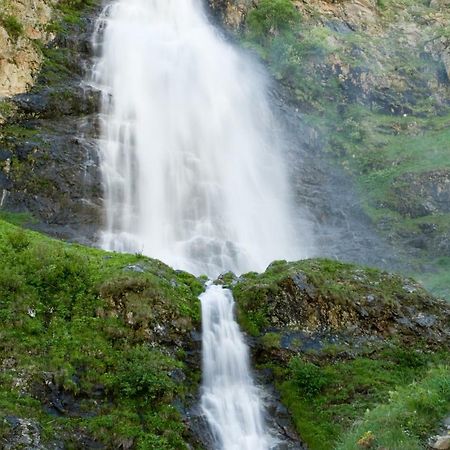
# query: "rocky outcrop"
[[338, 339], [327, 297], [422, 194], [24, 26]]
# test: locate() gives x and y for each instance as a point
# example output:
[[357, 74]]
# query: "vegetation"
[[271, 17], [400, 396], [12, 25], [79, 349], [331, 335], [405, 421]]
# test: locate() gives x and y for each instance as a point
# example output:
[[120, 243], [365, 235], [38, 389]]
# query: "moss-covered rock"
[[325, 296]]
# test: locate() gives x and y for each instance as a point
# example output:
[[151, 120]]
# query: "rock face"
[[370, 85], [231, 12], [22, 26], [48, 150], [422, 194]]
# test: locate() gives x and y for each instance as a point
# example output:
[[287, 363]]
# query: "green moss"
[[271, 340], [343, 284], [87, 318]]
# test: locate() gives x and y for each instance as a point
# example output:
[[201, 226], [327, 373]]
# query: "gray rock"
[[25, 433], [425, 320]]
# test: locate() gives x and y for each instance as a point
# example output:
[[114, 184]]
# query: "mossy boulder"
[[325, 296]]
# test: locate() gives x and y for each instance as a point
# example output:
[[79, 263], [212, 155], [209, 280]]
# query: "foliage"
[[326, 398], [307, 377], [405, 421]]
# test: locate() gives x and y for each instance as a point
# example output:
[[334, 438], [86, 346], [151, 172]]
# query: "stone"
[[442, 443]]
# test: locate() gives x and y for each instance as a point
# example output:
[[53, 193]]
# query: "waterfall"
[[193, 175], [230, 399]]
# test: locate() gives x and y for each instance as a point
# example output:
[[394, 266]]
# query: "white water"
[[193, 176], [230, 399]]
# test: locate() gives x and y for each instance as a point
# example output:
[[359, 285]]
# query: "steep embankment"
[[372, 78]]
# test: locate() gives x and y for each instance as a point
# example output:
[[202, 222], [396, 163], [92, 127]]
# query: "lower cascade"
[[193, 175], [230, 400]]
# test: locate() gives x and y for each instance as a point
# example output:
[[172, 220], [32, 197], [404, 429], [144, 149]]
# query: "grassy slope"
[[79, 317]]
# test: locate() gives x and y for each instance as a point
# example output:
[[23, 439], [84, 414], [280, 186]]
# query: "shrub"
[[11, 24], [308, 377], [271, 16]]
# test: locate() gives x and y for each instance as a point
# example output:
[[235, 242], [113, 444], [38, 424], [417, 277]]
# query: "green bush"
[[143, 374], [308, 378], [272, 16]]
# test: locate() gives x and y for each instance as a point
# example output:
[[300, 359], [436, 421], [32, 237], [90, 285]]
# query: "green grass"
[[17, 218], [327, 399], [83, 317], [408, 418]]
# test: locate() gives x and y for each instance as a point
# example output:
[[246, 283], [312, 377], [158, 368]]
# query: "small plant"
[[367, 440], [11, 24]]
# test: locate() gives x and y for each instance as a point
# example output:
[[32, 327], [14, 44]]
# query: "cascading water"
[[193, 176], [230, 399]]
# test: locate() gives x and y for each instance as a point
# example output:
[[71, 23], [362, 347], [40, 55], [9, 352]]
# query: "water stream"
[[194, 175]]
